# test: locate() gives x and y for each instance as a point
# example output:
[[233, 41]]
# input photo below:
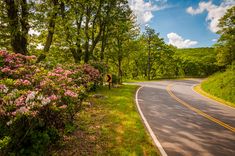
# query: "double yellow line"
[[199, 111]]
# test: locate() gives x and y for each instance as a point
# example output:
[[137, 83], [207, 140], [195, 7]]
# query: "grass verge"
[[109, 125], [220, 86], [198, 89]]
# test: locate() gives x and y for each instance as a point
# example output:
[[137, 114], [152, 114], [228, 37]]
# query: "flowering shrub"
[[35, 103]]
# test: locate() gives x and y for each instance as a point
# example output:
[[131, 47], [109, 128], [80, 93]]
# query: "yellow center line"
[[231, 128]]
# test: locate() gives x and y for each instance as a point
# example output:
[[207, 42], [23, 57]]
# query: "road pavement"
[[185, 122]]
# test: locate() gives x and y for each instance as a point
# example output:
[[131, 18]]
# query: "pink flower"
[[19, 65], [43, 83], [67, 73], [6, 70], [54, 74], [59, 70], [23, 110], [31, 96], [3, 88], [63, 107], [22, 82], [70, 93], [53, 97], [30, 57], [13, 113], [20, 101], [34, 113], [2, 112], [26, 82], [3, 53], [70, 79], [45, 101]]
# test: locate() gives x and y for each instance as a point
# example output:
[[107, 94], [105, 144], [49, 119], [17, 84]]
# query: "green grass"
[[110, 126], [133, 80], [221, 85]]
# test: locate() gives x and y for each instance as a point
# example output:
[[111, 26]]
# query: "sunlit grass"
[[111, 126], [221, 85]]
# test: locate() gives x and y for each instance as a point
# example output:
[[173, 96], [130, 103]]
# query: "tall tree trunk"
[[103, 43], [119, 43], [120, 70], [75, 53], [51, 29], [24, 25], [78, 38], [18, 36], [149, 58], [86, 54]]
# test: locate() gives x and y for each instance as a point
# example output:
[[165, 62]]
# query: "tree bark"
[[87, 55], [120, 70], [78, 38], [103, 45], [18, 36], [51, 29], [24, 25]]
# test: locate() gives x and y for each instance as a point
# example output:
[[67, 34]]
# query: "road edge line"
[[153, 136], [211, 97]]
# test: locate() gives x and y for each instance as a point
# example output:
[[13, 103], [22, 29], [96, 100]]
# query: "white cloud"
[[147, 16], [144, 10], [214, 40], [179, 42], [215, 12]]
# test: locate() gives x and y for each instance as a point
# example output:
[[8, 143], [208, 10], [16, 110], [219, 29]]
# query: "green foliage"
[[226, 45], [115, 79], [102, 67], [4, 142], [199, 62], [149, 57], [1, 61], [221, 85], [69, 128]]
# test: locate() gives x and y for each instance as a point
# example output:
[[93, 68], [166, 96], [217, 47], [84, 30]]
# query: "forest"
[[54, 52]]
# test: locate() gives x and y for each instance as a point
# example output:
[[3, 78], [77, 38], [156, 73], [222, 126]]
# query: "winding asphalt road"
[[185, 122]]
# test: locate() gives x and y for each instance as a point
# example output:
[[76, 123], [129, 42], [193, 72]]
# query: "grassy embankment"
[[109, 125], [221, 87]]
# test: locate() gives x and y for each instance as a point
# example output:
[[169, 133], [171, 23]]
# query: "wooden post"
[[109, 80]]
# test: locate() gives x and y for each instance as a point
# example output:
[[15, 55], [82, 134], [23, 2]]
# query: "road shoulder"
[[198, 90]]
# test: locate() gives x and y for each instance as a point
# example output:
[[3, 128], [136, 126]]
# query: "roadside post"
[[109, 79]]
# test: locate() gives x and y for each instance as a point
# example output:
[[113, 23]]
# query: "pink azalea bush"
[[38, 100]]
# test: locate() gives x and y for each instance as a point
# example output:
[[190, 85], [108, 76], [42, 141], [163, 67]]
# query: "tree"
[[226, 45], [80, 27], [14, 24], [123, 31], [159, 54], [149, 35], [52, 13]]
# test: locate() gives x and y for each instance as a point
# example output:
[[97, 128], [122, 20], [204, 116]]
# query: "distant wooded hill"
[[197, 61], [199, 54]]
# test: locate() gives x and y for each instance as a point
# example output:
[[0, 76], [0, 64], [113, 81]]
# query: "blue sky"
[[183, 23]]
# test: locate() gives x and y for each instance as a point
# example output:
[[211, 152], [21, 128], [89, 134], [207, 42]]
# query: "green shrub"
[[36, 104]]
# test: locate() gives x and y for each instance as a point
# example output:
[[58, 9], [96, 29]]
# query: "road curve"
[[185, 122]]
